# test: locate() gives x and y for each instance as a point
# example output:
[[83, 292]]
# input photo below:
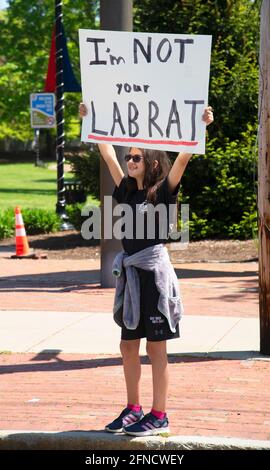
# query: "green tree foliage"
[[220, 189], [219, 186], [234, 26], [86, 167], [25, 40]]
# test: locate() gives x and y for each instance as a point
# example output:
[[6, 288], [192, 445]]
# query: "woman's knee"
[[130, 348]]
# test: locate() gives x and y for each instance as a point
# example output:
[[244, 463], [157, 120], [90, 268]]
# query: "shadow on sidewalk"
[[67, 280], [81, 280], [53, 363], [204, 273]]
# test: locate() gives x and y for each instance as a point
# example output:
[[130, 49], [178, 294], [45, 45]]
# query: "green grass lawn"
[[28, 186]]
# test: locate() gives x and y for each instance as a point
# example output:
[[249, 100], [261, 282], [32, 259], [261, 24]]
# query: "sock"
[[158, 414], [135, 407]]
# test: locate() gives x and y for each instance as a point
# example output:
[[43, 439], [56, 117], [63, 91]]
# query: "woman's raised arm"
[[108, 153], [180, 163]]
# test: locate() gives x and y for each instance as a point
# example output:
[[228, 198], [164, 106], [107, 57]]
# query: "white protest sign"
[[145, 90]]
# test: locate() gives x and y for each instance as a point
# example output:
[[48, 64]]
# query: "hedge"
[[35, 221]]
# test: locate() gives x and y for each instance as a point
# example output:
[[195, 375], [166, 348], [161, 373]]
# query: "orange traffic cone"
[[22, 247]]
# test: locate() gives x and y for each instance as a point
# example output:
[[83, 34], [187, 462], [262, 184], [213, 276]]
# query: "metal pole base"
[[65, 224]]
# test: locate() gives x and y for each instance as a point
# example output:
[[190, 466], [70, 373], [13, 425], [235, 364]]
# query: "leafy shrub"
[[74, 214], [35, 221], [40, 221], [6, 223], [220, 188], [86, 168], [247, 227]]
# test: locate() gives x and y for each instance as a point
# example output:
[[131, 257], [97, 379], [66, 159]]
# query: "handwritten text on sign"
[[145, 90]]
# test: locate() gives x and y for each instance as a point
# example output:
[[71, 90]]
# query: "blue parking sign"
[[42, 107]]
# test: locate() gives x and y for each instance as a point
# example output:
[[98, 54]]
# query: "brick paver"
[[208, 397], [73, 285]]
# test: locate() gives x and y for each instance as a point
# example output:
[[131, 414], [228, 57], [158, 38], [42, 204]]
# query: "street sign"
[[42, 108]]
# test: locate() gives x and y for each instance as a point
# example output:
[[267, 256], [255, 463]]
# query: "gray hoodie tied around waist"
[[126, 307]]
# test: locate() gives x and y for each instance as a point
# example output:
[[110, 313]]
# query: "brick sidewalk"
[[208, 397], [223, 289]]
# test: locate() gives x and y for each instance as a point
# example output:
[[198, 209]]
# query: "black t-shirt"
[[140, 212]]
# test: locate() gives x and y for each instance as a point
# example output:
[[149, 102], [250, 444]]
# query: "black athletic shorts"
[[153, 324]]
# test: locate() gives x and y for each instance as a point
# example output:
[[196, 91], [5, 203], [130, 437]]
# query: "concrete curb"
[[94, 440]]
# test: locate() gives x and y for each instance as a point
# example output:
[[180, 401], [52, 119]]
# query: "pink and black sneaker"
[[148, 426], [127, 418]]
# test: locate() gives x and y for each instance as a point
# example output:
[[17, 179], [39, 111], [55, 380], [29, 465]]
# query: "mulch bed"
[[71, 245]]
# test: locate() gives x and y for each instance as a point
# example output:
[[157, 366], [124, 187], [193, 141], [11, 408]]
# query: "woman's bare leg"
[[157, 352], [132, 369]]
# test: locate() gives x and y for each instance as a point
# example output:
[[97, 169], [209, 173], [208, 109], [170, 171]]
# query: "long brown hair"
[[153, 177]]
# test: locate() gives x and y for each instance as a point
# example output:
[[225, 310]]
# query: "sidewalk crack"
[[58, 331], [225, 334]]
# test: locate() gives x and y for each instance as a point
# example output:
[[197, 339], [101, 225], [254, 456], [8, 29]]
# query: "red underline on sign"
[[143, 141]]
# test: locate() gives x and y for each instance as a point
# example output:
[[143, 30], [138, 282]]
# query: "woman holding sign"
[[147, 299]]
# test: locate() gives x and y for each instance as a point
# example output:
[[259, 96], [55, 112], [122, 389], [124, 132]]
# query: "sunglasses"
[[134, 158]]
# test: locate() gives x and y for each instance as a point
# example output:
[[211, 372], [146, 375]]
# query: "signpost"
[[42, 111]]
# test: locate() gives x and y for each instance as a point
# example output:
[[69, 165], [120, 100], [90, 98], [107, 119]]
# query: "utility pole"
[[264, 179], [115, 15]]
